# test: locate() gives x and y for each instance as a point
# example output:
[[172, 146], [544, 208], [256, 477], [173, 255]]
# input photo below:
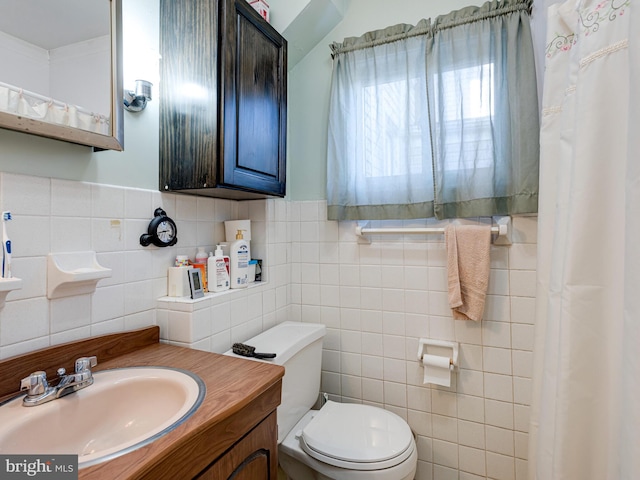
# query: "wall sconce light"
[[136, 100]]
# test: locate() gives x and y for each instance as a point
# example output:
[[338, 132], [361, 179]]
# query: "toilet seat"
[[357, 437]]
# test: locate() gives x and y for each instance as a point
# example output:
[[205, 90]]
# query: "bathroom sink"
[[123, 410]]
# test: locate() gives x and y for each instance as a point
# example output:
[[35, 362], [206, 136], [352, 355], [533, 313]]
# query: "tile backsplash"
[[376, 299]]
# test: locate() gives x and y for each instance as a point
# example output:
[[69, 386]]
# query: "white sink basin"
[[123, 410]]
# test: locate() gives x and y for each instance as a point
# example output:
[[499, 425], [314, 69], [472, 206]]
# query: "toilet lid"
[[357, 436]]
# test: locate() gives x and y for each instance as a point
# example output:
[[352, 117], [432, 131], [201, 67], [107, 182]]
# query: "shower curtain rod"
[[502, 230]]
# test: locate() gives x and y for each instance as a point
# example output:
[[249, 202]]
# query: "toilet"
[[341, 441]]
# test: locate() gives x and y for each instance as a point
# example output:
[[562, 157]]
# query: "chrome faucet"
[[39, 391]]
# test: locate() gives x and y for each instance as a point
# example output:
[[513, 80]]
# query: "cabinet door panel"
[[188, 94], [252, 458], [254, 90]]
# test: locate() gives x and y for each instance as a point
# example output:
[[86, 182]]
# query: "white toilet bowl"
[[341, 441], [346, 441]]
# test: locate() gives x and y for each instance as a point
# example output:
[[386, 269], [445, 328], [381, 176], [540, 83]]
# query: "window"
[[438, 120]]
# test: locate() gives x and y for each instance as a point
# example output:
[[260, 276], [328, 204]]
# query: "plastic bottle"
[[201, 256], [239, 262], [218, 268]]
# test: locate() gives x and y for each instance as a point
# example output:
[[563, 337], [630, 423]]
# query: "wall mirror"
[[61, 74]]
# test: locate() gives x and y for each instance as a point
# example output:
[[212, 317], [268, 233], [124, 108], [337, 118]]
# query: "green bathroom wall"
[[137, 166]]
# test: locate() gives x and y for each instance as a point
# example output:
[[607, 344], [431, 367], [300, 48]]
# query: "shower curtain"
[[585, 413]]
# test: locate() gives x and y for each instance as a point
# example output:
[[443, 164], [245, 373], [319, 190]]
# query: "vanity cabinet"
[[252, 458], [222, 100]]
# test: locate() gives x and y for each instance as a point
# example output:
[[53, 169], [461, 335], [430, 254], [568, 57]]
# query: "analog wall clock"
[[162, 231]]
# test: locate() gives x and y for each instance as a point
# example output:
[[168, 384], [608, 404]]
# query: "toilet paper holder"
[[439, 347]]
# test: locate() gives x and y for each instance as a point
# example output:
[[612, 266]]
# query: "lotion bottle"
[[218, 268], [239, 261]]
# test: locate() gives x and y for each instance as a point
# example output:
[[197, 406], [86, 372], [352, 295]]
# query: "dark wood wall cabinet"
[[223, 100]]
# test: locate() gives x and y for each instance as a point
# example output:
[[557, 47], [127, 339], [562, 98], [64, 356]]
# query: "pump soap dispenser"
[[239, 261]]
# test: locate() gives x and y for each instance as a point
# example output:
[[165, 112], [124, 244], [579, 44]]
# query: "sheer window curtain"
[[437, 119]]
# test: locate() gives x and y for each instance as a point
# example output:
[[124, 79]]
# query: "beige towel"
[[467, 269]]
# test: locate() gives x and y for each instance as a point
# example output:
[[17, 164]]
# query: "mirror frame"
[[114, 141]]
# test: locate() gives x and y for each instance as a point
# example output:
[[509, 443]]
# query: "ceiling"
[[51, 24]]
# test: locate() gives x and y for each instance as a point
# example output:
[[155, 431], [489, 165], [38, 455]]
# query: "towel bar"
[[501, 230]]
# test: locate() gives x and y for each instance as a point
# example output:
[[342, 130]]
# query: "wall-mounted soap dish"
[[73, 273], [7, 285]]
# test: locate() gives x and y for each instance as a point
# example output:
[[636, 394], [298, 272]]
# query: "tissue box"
[[261, 7]]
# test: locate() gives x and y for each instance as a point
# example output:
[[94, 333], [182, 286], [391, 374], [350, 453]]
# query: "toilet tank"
[[298, 348]]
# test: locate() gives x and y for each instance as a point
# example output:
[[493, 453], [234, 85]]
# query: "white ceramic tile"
[[26, 195], [471, 408], [24, 347], [496, 334], [116, 262], [523, 310], [470, 357], [70, 234], [309, 232], [395, 370], [497, 360], [416, 278], [370, 254], [350, 319], [393, 300], [499, 414], [499, 440], [351, 364], [206, 210], [524, 229], [498, 387], [372, 367], [69, 313], [24, 320], [351, 386], [372, 321], [522, 337], [445, 473], [437, 279], [221, 342], [140, 319], [445, 453], [138, 265], [471, 434], [439, 304], [522, 363], [444, 428], [70, 335], [424, 446], [523, 256], [498, 282], [115, 325], [496, 308], [138, 296], [330, 383], [239, 311], [349, 275], [138, 204], [330, 296], [329, 274], [415, 254], [107, 201], [186, 208], [416, 301], [418, 398], [331, 360], [107, 235], [371, 298], [522, 283], [372, 390], [472, 460], [348, 253], [416, 325], [522, 469], [470, 382], [522, 390], [394, 346], [70, 198], [309, 211], [469, 332], [30, 235], [500, 467], [107, 303], [444, 403], [33, 273], [420, 422], [351, 341], [521, 443], [329, 316], [349, 297]]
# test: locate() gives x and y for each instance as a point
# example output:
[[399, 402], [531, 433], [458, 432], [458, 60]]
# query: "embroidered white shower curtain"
[[585, 414]]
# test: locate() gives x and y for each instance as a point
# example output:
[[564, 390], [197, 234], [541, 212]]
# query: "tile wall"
[[51, 215], [376, 299]]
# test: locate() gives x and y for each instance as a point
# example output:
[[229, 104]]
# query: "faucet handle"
[[35, 384], [84, 364]]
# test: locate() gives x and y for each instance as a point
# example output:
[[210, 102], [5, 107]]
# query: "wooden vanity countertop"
[[240, 394]]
